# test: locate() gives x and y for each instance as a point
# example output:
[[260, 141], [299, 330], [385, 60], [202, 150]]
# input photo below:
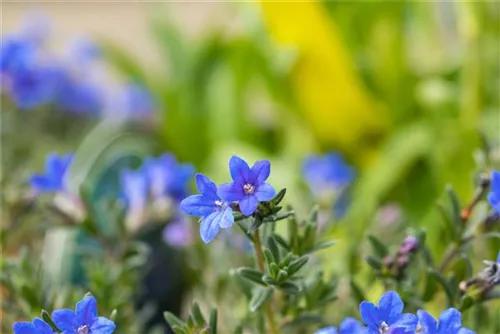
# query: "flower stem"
[[260, 264]]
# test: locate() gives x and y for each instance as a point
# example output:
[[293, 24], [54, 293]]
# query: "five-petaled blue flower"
[[54, 178], [214, 212], [494, 195], [347, 326], [38, 326], [388, 317], [84, 320], [450, 322], [249, 185]]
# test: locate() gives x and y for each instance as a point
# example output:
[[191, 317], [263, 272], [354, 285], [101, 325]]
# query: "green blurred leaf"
[[260, 295]]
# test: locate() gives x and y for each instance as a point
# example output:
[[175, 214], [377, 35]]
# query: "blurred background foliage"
[[406, 91]]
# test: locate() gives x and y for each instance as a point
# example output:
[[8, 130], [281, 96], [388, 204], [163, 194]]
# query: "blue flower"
[[15, 52], [167, 177], [248, 187], [215, 212], [79, 97], [494, 195], [388, 317], [135, 101], [177, 234], [135, 191], [347, 326], [84, 320], [38, 326], [327, 172], [450, 322], [33, 85], [54, 178]]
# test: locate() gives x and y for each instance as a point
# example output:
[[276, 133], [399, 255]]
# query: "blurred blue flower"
[[33, 85], [79, 96], [135, 190], [177, 234], [84, 320], [327, 174], [167, 177], [388, 316], [38, 326], [135, 102], [494, 195], [347, 326], [214, 212], [54, 179], [14, 53], [249, 185], [450, 322]]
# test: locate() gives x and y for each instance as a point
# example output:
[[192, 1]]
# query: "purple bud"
[[402, 261], [410, 244]]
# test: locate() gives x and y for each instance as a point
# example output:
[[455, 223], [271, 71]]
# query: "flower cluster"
[[153, 191], [215, 205], [73, 82], [388, 317], [83, 320]]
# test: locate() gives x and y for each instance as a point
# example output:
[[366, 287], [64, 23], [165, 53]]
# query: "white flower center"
[[83, 330], [219, 203], [384, 328], [248, 189]]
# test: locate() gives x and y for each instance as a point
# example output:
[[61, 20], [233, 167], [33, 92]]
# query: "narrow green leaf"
[[281, 241], [269, 256], [48, 319], [259, 297], [273, 247], [441, 280], [198, 318], [322, 245], [213, 321], [172, 319], [289, 287], [379, 248], [356, 291], [374, 262], [282, 276], [252, 275], [296, 265], [279, 197]]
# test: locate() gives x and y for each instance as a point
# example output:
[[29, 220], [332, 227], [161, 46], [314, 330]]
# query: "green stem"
[[260, 264]]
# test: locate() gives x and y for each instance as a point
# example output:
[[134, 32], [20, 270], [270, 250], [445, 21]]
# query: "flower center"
[[248, 189], [219, 203], [419, 329], [384, 328], [83, 330]]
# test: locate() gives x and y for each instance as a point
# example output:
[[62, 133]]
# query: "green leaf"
[[297, 264], [455, 208], [196, 314], [282, 242], [322, 245], [48, 319], [273, 247], [282, 276], [374, 262], [213, 321], [259, 296], [269, 280], [306, 319], [441, 280], [252, 275], [289, 287], [379, 248], [279, 197], [173, 320], [278, 216], [269, 256]]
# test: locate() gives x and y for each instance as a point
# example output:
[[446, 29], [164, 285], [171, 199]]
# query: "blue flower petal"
[[135, 188], [498, 258], [65, 319], [495, 181], [351, 326], [198, 205], [450, 321], [42, 183], [102, 325], [240, 172], [231, 192], [264, 192], [464, 330], [427, 322], [210, 226], [494, 200], [248, 205], [327, 330], [24, 327], [390, 307], [86, 310], [226, 217], [42, 327], [206, 186], [407, 321], [260, 172], [369, 314]]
